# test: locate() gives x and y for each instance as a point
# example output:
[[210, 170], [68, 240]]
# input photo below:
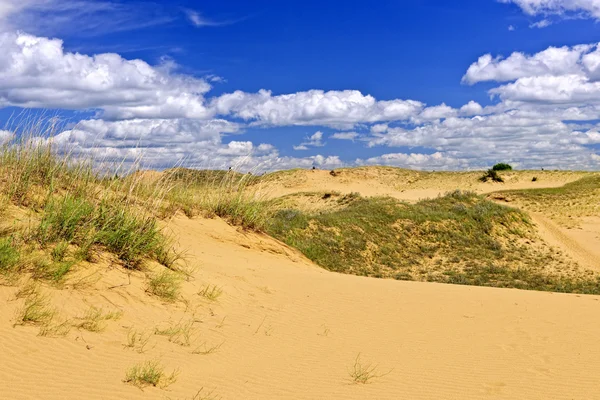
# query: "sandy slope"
[[407, 184], [290, 330]]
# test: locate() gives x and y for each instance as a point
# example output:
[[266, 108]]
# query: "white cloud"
[[80, 17], [314, 107], [552, 61], [345, 136], [541, 24], [511, 28], [471, 108], [416, 161], [199, 20], [436, 112], [589, 8], [37, 72], [315, 140]]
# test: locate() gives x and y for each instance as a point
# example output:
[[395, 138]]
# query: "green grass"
[[94, 319], [35, 311], [150, 373], [210, 292], [165, 285], [9, 255], [457, 238]]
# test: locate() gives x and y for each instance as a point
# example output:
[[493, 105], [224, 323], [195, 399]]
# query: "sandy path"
[[291, 331], [582, 245]]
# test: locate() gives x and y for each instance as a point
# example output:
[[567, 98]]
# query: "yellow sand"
[[290, 330]]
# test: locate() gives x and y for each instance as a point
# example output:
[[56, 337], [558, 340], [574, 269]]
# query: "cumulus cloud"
[[589, 8], [37, 72], [315, 140], [555, 61], [314, 107]]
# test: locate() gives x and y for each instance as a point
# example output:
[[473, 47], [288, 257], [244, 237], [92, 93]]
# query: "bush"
[[491, 175], [502, 167]]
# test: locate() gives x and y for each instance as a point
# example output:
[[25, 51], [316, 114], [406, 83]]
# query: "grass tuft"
[[211, 292], [94, 320], [364, 373], [165, 285], [36, 311], [150, 373]]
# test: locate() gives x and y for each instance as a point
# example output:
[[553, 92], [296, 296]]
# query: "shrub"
[[502, 167], [492, 175]]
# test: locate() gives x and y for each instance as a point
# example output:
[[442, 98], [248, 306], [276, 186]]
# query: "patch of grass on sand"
[[94, 319], [456, 238], [165, 284], [564, 204], [364, 373], [211, 292], [150, 373]]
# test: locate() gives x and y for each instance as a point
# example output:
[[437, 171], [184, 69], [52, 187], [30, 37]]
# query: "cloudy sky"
[[263, 85]]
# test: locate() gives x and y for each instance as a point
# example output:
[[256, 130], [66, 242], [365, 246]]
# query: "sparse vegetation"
[[36, 310], [491, 175], [94, 320], [364, 373], [179, 333], [211, 292], [457, 238], [165, 285], [137, 340], [150, 373]]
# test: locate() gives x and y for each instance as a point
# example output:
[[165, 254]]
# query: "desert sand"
[[284, 328]]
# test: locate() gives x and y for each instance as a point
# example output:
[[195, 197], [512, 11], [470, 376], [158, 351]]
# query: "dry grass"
[[180, 333], [150, 373], [94, 320], [137, 341], [364, 373], [211, 292], [165, 285]]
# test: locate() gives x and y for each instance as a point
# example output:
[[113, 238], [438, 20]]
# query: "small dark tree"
[[502, 167], [491, 175]]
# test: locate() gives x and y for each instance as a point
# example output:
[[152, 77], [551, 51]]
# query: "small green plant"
[[35, 311], [55, 330], [94, 319], [137, 340], [166, 285], [492, 175], [59, 251], [206, 349], [150, 373], [502, 167], [9, 255], [211, 292], [364, 373], [180, 333]]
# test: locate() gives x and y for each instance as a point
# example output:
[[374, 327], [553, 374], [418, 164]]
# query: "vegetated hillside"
[[59, 215], [565, 204], [458, 238]]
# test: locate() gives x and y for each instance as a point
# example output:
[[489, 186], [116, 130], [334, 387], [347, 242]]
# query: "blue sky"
[[341, 84]]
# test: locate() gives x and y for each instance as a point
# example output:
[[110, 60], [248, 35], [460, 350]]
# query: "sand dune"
[[289, 330], [408, 185]]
